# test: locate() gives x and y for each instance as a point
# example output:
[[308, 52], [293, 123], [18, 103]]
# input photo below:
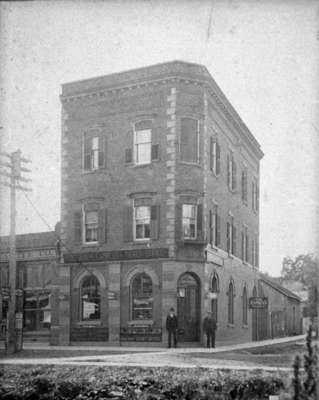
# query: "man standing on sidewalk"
[[209, 327], [171, 327]]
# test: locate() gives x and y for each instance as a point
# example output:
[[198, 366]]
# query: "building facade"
[[159, 209], [36, 273]]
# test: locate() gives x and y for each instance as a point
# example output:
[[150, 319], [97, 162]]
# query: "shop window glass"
[[91, 298], [142, 297]]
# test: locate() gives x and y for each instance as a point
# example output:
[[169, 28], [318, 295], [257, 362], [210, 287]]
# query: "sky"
[[263, 55]]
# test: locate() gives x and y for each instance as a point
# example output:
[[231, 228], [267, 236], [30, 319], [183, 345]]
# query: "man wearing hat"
[[209, 327], [171, 327]]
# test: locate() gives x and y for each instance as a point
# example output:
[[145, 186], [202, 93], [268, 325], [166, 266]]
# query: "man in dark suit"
[[209, 327], [171, 327]]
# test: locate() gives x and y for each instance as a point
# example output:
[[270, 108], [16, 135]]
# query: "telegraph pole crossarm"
[[13, 176]]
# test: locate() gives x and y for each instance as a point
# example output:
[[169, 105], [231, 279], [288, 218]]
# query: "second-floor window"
[[189, 143], [231, 236], [143, 142], [244, 244], [189, 221], [254, 252], [214, 224], [142, 222], [94, 153], [91, 226]]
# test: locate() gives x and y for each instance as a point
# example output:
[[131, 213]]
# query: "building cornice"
[[199, 76]]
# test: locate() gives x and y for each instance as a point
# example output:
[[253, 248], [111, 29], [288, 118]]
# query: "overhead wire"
[[62, 243]]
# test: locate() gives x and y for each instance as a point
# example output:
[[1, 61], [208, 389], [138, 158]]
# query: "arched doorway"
[[188, 307], [254, 318]]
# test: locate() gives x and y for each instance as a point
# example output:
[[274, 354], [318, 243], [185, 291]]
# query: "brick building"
[[36, 272], [159, 209]]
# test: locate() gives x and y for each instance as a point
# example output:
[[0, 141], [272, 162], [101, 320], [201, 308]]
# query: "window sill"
[[215, 175], [192, 164], [89, 323], [245, 326], [93, 171], [90, 244], [230, 325], [133, 165], [214, 248], [194, 241], [141, 241]]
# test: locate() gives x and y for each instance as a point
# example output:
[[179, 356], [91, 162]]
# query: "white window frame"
[[95, 153], [143, 239], [136, 152], [195, 222], [84, 227]]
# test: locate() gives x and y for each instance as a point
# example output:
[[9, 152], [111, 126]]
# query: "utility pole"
[[13, 174]]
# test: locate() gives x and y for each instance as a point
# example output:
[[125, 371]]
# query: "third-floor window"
[[143, 142], [231, 172], [214, 156], [255, 196], [189, 142], [94, 153]]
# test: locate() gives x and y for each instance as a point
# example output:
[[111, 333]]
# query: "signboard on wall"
[[116, 255], [258, 302]]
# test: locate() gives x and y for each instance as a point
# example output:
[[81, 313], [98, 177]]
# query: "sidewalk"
[[220, 346], [155, 357]]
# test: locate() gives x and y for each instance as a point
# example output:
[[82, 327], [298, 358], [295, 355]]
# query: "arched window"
[[215, 289], [142, 297], [245, 306], [90, 298], [231, 303]]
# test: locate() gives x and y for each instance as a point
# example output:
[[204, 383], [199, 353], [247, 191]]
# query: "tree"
[[304, 268]]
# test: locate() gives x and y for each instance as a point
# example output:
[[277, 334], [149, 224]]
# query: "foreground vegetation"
[[60, 382]]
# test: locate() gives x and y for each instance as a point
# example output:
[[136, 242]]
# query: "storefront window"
[[91, 298], [142, 297], [37, 310]]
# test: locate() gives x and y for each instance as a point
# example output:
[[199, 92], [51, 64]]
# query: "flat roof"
[[158, 72]]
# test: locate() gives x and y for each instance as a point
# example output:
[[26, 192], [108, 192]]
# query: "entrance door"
[[188, 308]]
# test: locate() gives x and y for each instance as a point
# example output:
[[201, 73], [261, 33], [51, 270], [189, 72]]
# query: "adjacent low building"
[[36, 273]]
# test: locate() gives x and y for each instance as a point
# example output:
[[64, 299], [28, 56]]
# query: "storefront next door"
[[188, 308]]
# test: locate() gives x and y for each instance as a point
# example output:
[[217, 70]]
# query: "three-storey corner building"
[[160, 208]]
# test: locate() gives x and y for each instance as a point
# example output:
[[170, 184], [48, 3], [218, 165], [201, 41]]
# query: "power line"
[[57, 236]]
